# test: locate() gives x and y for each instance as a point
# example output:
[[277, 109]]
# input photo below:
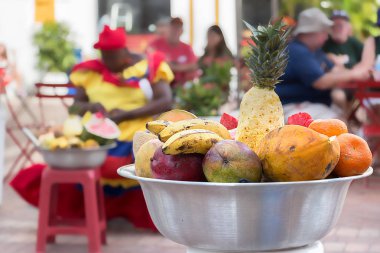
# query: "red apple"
[[177, 167]]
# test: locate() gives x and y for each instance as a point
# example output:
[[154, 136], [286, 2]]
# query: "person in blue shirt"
[[310, 75]]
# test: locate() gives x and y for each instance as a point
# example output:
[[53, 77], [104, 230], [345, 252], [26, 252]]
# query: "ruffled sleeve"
[[163, 73], [81, 78]]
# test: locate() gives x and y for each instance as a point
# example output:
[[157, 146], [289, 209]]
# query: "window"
[[137, 16], [256, 12]]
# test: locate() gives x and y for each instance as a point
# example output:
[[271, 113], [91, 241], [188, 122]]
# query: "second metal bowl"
[[76, 158]]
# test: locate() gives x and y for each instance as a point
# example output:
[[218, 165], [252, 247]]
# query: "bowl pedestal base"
[[316, 247]]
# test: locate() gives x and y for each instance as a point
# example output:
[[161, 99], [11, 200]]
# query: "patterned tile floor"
[[358, 230]]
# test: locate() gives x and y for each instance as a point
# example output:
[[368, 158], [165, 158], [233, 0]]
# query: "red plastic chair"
[[94, 224], [366, 92]]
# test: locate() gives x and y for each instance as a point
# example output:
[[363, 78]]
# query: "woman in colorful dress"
[[112, 85], [216, 50]]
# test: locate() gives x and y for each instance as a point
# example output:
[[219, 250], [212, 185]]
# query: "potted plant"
[[55, 54], [202, 99], [205, 96]]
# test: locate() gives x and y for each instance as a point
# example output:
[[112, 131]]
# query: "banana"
[[157, 126], [179, 126], [190, 141]]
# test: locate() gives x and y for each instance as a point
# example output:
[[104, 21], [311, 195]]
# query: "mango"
[[297, 153], [144, 156], [230, 161], [140, 138]]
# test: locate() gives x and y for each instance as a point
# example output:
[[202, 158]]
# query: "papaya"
[[176, 115], [297, 153]]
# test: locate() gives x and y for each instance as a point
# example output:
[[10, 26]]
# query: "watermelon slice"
[[230, 122], [301, 119], [103, 130]]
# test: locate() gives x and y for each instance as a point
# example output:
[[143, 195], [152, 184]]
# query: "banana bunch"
[[157, 126], [190, 142], [188, 136]]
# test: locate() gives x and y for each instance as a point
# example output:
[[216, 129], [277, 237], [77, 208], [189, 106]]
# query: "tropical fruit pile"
[[90, 131], [195, 149], [180, 146], [258, 146]]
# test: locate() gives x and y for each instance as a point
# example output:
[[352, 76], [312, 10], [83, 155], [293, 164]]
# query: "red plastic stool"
[[93, 226]]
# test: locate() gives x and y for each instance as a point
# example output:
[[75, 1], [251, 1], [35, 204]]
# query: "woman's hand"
[[96, 107], [118, 116], [82, 104]]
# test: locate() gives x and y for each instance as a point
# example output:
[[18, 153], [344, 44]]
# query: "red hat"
[[111, 39]]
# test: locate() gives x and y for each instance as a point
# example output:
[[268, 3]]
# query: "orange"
[[329, 127], [355, 156]]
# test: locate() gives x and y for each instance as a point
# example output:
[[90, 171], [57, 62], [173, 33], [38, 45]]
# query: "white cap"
[[312, 20]]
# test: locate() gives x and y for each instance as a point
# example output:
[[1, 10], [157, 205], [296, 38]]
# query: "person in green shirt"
[[345, 51], [342, 48]]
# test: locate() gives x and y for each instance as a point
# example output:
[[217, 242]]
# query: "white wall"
[[204, 17], [227, 20], [17, 26], [180, 8], [82, 18]]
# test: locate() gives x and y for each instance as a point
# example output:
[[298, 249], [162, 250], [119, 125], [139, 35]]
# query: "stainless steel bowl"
[[76, 158], [226, 217]]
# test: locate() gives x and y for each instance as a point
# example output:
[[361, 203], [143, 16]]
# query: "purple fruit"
[[177, 167]]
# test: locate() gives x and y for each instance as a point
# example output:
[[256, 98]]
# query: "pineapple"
[[261, 109]]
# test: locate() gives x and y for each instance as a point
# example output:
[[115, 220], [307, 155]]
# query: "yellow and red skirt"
[[123, 197]]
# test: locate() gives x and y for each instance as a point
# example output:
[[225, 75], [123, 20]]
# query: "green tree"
[[55, 49], [362, 12]]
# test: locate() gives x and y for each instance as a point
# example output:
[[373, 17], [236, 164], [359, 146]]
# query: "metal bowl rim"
[[128, 171], [100, 148]]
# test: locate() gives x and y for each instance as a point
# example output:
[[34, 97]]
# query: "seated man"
[[310, 76], [179, 55], [343, 48]]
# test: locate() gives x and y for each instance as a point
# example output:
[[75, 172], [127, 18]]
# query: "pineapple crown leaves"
[[269, 55]]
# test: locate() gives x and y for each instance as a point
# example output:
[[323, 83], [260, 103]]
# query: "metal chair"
[[43, 91], [15, 125]]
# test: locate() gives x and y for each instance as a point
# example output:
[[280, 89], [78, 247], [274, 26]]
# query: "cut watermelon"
[[301, 119], [103, 130], [230, 122]]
